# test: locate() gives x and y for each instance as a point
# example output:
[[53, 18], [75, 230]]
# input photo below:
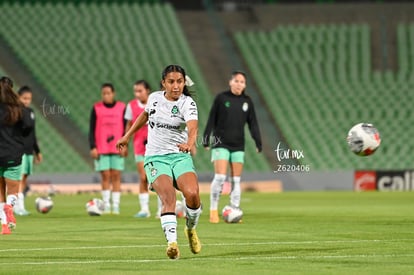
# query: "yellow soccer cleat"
[[172, 251], [193, 240], [214, 217]]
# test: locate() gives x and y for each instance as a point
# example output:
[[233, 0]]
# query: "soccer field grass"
[[295, 233]]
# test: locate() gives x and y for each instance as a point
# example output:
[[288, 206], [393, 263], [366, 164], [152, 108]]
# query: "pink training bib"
[[141, 135], [109, 127]]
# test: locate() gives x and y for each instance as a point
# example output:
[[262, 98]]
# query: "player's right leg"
[[116, 190], [12, 177], [106, 190], [5, 230], [102, 165], [220, 157], [164, 187], [160, 177]]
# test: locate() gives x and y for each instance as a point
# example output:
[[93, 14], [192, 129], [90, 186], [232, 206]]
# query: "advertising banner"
[[369, 180]]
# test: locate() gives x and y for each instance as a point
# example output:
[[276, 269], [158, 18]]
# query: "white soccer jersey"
[[167, 123]]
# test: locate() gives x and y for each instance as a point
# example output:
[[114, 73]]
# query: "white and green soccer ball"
[[363, 139], [43, 204], [232, 214]]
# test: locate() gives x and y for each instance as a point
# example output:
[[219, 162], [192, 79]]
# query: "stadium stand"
[[73, 48], [317, 82]]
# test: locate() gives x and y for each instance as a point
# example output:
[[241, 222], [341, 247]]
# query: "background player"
[[15, 123], [107, 125], [230, 112], [31, 152], [134, 108], [173, 119]]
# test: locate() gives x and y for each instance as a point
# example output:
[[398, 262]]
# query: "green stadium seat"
[[71, 48], [326, 84]]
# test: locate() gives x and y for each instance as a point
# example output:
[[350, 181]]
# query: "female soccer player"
[[107, 125], [15, 123], [173, 122], [134, 108], [228, 116], [31, 152]]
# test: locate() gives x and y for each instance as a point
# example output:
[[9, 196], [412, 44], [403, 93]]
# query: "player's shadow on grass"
[[274, 252]]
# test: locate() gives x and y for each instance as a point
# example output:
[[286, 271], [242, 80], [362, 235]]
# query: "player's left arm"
[[36, 149], [192, 128], [254, 127], [141, 120], [127, 125], [190, 114]]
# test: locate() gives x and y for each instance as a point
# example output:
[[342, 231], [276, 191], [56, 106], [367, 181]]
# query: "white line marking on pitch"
[[305, 257], [206, 244]]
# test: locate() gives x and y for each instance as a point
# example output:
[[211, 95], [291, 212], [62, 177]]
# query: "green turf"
[[288, 233]]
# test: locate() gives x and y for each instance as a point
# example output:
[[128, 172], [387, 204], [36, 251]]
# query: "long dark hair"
[[178, 69], [9, 98]]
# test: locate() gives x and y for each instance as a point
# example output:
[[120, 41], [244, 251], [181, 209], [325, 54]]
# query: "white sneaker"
[[142, 214], [107, 209], [21, 212], [115, 210]]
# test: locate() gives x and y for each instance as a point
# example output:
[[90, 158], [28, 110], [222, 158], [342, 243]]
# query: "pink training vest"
[[109, 127], [141, 135]]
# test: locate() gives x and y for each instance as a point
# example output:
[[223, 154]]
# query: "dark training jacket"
[[30, 141], [12, 137], [228, 116]]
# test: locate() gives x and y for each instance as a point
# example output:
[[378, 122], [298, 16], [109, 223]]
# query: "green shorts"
[[27, 164], [110, 161], [225, 154], [172, 165], [139, 158], [13, 173]]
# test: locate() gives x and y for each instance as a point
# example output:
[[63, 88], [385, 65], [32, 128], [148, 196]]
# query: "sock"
[[169, 225], [116, 199], [215, 190], [2, 214], [192, 217], [106, 195], [11, 200], [159, 204], [144, 201], [20, 201], [235, 192]]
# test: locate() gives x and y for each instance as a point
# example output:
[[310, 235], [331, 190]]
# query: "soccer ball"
[[363, 139], [44, 204], [179, 209], [95, 207], [232, 214]]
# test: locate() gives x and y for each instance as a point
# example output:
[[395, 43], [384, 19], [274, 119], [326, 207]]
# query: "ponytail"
[[9, 98]]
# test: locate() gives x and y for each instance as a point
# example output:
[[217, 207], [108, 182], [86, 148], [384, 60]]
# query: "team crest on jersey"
[[245, 107], [32, 115], [227, 104], [153, 172], [174, 110]]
